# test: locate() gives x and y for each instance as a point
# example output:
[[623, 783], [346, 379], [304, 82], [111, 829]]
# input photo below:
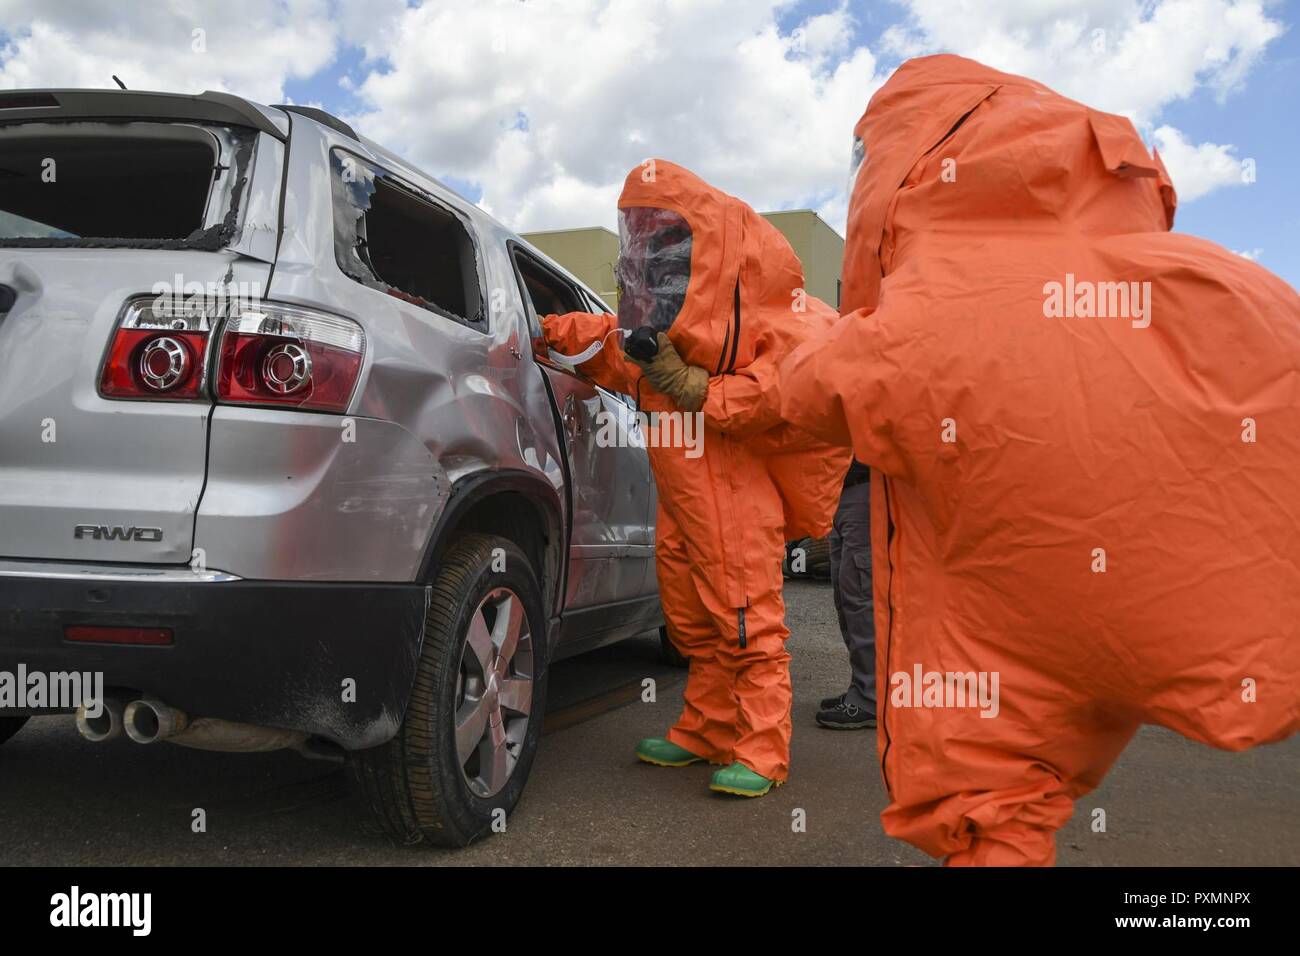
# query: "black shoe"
[[830, 702], [845, 716]]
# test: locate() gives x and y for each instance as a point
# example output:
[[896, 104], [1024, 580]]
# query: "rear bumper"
[[275, 654]]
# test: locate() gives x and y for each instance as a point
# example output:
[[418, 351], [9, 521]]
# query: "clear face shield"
[[857, 159], [654, 268]]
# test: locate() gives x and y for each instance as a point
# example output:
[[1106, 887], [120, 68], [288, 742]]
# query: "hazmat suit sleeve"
[[740, 404], [572, 332], [859, 412], [745, 403]]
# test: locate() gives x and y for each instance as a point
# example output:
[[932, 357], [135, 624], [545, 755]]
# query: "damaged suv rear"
[[277, 460]]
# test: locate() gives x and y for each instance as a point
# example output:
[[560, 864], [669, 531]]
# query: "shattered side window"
[[394, 240], [353, 184]]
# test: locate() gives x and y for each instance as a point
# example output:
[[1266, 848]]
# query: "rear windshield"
[[135, 184]]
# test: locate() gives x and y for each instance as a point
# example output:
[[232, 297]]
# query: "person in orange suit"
[[1084, 437], [716, 293]]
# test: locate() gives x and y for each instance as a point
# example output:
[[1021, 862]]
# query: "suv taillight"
[[158, 351], [285, 355]]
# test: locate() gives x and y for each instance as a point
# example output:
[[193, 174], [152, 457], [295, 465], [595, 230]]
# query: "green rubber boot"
[[740, 781], [664, 753]]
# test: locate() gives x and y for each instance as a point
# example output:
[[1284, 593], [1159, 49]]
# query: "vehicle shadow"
[[64, 800]]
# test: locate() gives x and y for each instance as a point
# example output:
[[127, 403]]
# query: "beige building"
[[590, 253], [819, 247]]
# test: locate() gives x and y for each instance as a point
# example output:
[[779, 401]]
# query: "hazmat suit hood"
[[1042, 161], [741, 281]]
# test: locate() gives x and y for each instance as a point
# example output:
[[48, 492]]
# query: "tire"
[[819, 557], [417, 786], [10, 726], [816, 559], [668, 652]]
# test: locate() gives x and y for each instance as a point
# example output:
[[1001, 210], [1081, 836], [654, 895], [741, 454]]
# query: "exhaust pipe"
[[107, 725], [226, 736], [148, 720]]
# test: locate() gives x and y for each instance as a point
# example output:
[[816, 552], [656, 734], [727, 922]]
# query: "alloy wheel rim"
[[494, 692]]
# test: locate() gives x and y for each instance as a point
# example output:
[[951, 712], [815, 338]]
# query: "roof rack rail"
[[320, 116]]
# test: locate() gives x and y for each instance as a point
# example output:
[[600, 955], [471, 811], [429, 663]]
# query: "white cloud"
[[1251, 254], [714, 85], [242, 46], [547, 107], [1125, 56], [1197, 169]]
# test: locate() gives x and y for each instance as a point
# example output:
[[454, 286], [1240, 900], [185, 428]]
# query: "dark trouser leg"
[[850, 541]]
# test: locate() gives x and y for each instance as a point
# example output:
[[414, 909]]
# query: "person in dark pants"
[[850, 541]]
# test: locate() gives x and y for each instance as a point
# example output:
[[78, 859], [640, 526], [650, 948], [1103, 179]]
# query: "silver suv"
[[278, 457]]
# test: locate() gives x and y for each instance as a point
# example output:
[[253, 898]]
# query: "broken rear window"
[[152, 185], [389, 237]]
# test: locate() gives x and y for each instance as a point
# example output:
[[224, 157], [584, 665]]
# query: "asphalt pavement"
[[1167, 801]]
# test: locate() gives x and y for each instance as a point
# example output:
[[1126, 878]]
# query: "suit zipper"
[[727, 363], [722, 359], [882, 699], [735, 330]]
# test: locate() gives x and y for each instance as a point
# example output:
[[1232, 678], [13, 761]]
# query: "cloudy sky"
[[537, 109]]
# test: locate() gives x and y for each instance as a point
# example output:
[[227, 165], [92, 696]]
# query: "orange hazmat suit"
[[1084, 436], [735, 306]]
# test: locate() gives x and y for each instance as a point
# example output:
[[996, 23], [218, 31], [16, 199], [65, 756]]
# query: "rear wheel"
[[10, 726], [461, 759], [807, 558]]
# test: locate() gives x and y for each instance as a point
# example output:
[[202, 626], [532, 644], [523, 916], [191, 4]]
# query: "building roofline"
[[813, 212], [610, 232], [554, 232]]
